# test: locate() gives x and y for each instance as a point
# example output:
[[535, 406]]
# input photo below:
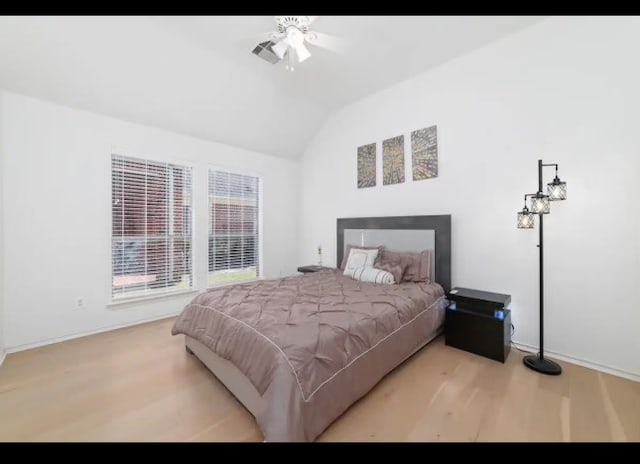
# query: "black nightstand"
[[478, 322], [313, 268]]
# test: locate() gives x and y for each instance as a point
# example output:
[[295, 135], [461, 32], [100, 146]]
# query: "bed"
[[298, 351]]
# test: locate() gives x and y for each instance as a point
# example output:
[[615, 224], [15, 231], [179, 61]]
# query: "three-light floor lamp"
[[556, 190]]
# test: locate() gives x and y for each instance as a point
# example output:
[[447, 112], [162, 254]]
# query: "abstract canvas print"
[[367, 166], [393, 160], [424, 153]]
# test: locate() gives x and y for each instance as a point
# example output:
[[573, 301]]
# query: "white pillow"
[[371, 274], [360, 257]]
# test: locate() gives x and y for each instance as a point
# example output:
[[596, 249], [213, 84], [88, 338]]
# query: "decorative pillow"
[[417, 265], [396, 268], [360, 257], [348, 249], [370, 274]]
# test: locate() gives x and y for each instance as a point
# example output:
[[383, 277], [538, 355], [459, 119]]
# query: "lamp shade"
[[525, 219], [557, 190], [540, 204]]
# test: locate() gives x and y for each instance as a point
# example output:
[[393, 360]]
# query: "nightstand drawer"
[[482, 334]]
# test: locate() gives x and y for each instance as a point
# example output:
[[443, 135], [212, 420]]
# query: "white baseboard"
[[581, 362], [524, 346], [28, 346]]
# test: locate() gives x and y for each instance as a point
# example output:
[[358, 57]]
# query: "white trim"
[[3, 355], [50, 341], [581, 362], [120, 151], [160, 158], [241, 172], [141, 299], [239, 282]]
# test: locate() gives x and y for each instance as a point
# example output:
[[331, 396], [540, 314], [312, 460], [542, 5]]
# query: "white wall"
[[57, 215], [1, 234], [565, 90]]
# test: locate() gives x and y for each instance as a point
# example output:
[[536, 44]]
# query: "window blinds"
[[151, 227], [233, 227]]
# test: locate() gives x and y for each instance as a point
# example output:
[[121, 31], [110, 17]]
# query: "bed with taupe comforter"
[[311, 345]]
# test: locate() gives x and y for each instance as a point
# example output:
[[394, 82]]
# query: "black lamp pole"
[[540, 206]]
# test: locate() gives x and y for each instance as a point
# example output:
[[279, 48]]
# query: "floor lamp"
[[556, 190]]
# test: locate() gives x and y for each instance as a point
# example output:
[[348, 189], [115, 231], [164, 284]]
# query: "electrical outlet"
[[79, 303]]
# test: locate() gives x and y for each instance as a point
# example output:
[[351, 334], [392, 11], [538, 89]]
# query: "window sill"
[[228, 284], [117, 304]]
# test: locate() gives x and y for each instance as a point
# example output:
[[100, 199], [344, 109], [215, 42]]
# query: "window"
[[233, 227], [151, 227]]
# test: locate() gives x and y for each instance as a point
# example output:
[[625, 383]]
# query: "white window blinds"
[[151, 227], [233, 227]]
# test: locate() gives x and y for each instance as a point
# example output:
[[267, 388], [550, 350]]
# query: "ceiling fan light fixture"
[[281, 48], [295, 37], [291, 59], [289, 41], [299, 22], [302, 52]]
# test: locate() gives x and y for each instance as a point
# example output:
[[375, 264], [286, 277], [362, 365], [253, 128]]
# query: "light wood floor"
[[139, 384]]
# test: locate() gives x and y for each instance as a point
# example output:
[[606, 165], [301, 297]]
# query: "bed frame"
[[240, 386]]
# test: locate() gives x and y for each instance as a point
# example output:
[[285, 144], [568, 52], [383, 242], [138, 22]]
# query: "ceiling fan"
[[287, 42]]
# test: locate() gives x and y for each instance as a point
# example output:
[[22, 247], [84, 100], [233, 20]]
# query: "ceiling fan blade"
[[302, 52], [327, 41], [280, 48], [252, 41]]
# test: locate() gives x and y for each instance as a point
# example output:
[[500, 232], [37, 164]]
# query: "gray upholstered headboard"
[[402, 233]]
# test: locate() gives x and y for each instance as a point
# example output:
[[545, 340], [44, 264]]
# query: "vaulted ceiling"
[[196, 75]]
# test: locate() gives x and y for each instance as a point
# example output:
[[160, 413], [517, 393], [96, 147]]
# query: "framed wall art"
[[367, 166], [424, 153], [393, 160]]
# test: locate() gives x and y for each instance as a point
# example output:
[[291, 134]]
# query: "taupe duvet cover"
[[313, 344]]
